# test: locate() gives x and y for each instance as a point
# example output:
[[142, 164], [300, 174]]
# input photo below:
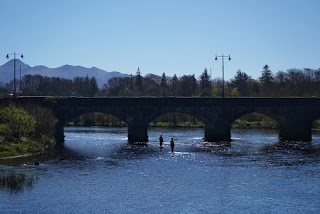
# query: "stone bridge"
[[293, 115]]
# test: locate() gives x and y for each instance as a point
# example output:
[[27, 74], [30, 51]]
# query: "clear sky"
[[172, 36]]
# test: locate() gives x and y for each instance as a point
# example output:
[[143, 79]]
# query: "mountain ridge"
[[64, 71]]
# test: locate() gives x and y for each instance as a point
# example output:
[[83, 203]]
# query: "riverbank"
[[24, 148], [18, 156]]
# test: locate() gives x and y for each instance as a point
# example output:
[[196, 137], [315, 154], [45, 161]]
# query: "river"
[[98, 172]]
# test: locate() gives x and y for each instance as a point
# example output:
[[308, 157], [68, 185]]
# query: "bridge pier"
[[295, 133], [217, 133], [296, 126], [137, 132], [59, 133]]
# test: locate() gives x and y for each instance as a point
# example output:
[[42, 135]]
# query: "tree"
[[254, 88], [205, 84], [242, 81], [216, 87], [138, 80], [280, 78], [93, 87], [45, 120], [17, 120], [3, 92], [235, 92], [188, 86], [114, 86], [163, 85], [174, 84], [266, 80]]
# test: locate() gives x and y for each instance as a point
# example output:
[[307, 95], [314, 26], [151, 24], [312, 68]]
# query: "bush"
[[17, 121], [45, 120], [5, 131]]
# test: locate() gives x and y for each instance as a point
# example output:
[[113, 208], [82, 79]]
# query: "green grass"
[[24, 146]]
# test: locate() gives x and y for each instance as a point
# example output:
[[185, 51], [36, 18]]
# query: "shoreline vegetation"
[[25, 131]]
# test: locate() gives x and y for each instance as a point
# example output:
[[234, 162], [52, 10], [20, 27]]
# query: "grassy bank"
[[25, 147], [25, 130]]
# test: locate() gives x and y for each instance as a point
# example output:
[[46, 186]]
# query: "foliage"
[[205, 84], [235, 92], [45, 120], [316, 124], [25, 130], [37, 85], [188, 86], [18, 121], [96, 119], [255, 121], [16, 183], [164, 85], [138, 80], [294, 82], [174, 85], [266, 80], [3, 92], [241, 81]]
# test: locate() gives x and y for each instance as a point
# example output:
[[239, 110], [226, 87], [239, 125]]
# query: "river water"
[[98, 172]]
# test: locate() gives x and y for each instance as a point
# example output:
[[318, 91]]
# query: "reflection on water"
[[17, 183]]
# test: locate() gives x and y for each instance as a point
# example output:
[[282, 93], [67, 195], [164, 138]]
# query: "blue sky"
[[173, 36]]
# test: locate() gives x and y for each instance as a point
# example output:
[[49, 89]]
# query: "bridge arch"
[[71, 114], [177, 119], [255, 120], [96, 119], [214, 129], [164, 111], [67, 114]]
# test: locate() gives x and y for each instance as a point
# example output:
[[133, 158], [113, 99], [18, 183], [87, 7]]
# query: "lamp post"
[[14, 70], [229, 58]]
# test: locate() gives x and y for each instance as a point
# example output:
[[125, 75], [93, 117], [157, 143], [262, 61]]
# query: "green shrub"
[[45, 120], [17, 120]]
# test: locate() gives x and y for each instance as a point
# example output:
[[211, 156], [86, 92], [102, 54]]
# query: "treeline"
[[293, 82], [37, 85]]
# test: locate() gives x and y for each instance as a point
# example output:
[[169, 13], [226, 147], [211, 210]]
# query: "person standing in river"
[[161, 141], [172, 145]]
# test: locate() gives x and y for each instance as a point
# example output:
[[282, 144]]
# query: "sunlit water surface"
[[98, 172]]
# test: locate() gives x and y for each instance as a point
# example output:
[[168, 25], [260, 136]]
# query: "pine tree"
[[163, 85], [205, 83]]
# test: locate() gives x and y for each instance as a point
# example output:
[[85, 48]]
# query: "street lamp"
[[14, 70], [229, 58]]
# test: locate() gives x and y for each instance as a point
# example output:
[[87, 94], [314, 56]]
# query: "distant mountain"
[[66, 71]]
